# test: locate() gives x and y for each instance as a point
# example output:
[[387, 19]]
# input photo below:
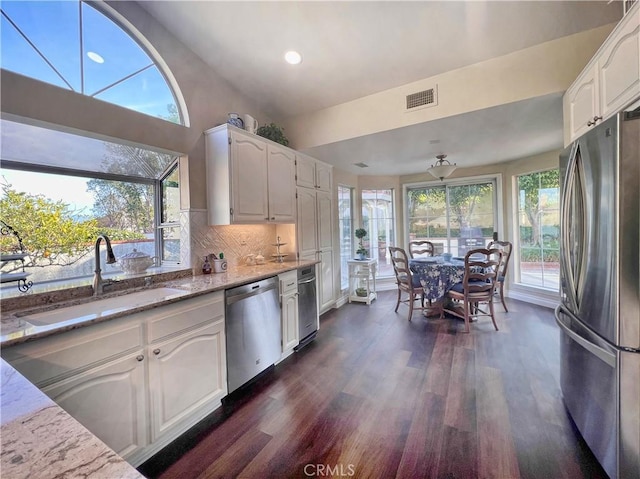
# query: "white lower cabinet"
[[138, 382], [110, 401], [186, 375], [289, 311]]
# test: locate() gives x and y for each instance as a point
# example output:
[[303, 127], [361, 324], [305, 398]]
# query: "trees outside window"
[[455, 218], [538, 250]]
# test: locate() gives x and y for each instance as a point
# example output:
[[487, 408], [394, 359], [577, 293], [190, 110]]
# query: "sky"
[[69, 189]]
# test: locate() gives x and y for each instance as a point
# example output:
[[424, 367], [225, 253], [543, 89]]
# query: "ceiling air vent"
[[422, 99]]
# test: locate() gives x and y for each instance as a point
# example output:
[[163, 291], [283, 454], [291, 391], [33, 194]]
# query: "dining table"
[[437, 277]]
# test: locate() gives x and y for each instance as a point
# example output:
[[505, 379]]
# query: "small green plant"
[[361, 233], [361, 292], [274, 133]]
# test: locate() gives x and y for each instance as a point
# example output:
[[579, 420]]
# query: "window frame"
[[496, 178], [155, 183], [344, 270], [517, 243], [159, 205], [393, 222]]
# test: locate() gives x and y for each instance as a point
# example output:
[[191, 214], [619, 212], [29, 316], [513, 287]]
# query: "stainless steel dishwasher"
[[253, 330]]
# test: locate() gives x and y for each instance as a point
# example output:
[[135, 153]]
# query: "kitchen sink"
[[102, 307]]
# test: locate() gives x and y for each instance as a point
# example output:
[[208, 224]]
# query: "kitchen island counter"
[[39, 439]]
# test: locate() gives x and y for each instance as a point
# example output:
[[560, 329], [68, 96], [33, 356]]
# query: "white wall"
[[532, 72]]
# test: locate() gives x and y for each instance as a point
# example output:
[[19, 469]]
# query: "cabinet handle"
[[156, 351], [266, 218], [594, 121], [273, 218], [139, 357]]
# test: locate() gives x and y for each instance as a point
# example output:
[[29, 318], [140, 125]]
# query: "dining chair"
[[506, 247], [420, 247], [478, 285], [407, 282]]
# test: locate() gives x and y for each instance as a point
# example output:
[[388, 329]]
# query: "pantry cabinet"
[[609, 82], [250, 180], [315, 239], [311, 173]]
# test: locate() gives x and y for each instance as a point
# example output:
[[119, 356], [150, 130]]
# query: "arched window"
[[73, 45]]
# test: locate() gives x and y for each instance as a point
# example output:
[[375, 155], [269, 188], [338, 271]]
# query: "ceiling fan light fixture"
[[443, 168]]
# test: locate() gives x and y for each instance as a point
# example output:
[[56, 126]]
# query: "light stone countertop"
[[15, 328], [39, 439]]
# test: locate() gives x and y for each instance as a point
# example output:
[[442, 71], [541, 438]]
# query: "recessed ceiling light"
[[293, 57], [95, 57]]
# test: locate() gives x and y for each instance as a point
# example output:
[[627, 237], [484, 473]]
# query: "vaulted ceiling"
[[354, 49]]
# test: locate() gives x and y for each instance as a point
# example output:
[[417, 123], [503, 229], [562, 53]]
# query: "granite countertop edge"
[[40, 439], [15, 330]]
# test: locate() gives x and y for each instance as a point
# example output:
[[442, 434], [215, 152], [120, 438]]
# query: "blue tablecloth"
[[437, 278]]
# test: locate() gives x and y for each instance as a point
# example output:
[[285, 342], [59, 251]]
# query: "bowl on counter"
[[136, 262]]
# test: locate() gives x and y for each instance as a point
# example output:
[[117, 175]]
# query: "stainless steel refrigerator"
[[599, 314]]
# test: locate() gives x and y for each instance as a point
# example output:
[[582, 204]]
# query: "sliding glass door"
[[454, 217]]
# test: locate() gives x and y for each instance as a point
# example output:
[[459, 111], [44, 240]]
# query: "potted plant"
[[274, 133], [361, 251]]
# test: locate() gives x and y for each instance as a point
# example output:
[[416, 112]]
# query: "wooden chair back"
[[506, 247], [400, 263], [481, 268], [421, 247]]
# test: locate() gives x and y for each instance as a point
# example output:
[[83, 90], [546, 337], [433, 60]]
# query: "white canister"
[[219, 265], [250, 123]]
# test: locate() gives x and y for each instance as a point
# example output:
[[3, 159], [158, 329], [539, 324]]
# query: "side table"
[[362, 280]]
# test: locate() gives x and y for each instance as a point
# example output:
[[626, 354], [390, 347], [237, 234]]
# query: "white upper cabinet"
[[250, 180], [609, 82], [619, 67], [281, 181], [311, 173], [249, 192]]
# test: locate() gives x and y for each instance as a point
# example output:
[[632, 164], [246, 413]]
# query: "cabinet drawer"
[[183, 315], [57, 357], [288, 282]]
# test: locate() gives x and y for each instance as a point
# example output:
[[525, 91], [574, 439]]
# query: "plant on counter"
[[361, 251], [274, 133]]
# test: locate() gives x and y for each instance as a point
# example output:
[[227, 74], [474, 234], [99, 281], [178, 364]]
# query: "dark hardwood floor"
[[381, 397]]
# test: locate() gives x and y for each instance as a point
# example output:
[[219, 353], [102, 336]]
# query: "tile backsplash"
[[238, 241]]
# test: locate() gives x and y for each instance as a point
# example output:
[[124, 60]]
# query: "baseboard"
[[531, 297]]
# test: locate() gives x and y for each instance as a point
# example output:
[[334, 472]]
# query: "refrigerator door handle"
[[568, 191], [606, 356]]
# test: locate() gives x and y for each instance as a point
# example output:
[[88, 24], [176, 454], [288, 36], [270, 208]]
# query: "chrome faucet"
[[98, 284]]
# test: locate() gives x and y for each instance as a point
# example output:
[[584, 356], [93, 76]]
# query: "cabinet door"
[[186, 374], [305, 171], [282, 189], [325, 280], [307, 222], [619, 67], [323, 176], [581, 104], [110, 401], [324, 206], [289, 321], [249, 177]]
